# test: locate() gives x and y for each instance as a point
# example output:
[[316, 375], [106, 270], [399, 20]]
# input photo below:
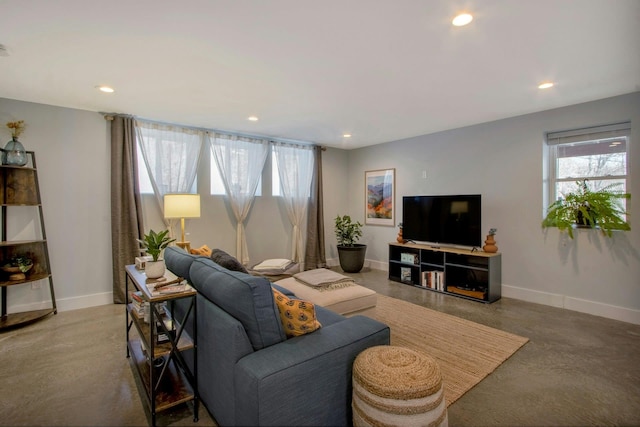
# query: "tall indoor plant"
[[350, 253], [153, 244], [589, 209]]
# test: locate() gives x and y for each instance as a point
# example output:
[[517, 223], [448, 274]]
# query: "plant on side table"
[[585, 208], [350, 253], [153, 244]]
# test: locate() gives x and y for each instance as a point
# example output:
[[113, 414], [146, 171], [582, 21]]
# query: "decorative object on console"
[[586, 208], [17, 267], [153, 244], [400, 239], [350, 253], [490, 243], [14, 152], [182, 205], [379, 196]]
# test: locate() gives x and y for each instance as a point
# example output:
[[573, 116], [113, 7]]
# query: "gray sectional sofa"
[[249, 372]]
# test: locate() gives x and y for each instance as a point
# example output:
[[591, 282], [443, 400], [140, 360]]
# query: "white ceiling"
[[314, 70]]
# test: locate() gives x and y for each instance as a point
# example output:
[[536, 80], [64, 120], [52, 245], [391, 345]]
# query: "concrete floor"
[[577, 369]]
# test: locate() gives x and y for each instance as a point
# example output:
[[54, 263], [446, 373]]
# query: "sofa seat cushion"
[[247, 298], [342, 300]]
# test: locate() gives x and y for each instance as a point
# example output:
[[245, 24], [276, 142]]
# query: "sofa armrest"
[[305, 380]]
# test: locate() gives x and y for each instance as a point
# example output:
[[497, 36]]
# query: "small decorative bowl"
[[15, 273]]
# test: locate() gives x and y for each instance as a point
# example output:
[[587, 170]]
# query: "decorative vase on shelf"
[[14, 153], [400, 239], [490, 244]]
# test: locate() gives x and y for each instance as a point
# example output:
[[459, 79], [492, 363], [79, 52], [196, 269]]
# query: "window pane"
[[597, 154], [616, 185], [217, 185], [592, 159], [144, 182], [275, 176]]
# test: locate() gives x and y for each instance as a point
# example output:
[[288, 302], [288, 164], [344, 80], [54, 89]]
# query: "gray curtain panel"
[[126, 207], [315, 254]]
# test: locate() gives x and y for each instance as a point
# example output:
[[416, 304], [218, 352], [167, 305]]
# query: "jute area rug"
[[466, 351]]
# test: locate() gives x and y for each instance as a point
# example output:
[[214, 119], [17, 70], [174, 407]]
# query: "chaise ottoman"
[[346, 299]]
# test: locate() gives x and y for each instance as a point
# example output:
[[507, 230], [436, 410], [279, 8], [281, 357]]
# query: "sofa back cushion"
[[227, 261], [178, 261], [247, 298]]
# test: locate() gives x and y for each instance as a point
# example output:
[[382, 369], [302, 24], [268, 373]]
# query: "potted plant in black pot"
[[350, 253], [585, 208]]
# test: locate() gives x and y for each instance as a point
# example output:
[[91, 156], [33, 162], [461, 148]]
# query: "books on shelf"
[[405, 274], [161, 335], [409, 258], [433, 279], [169, 284], [141, 307]]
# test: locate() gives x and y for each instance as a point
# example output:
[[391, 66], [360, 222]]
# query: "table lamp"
[[182, 206]]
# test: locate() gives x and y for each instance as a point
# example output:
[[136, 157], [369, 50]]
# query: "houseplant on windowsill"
[[153, 244], [585, 208], [350, 253]]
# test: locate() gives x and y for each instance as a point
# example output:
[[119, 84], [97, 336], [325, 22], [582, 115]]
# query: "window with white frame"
[[598, 154], [217, 185], [144, 182]]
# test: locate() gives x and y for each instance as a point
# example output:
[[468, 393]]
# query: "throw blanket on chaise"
[[323, 278]]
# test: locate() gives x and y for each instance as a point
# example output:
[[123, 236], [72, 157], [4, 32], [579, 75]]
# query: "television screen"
[[447, 220]]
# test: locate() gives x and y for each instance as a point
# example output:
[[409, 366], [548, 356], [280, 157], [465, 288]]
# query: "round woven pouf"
[[396, 386]]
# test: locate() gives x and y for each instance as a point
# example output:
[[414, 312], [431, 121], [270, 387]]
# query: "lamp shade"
[[182, 205]]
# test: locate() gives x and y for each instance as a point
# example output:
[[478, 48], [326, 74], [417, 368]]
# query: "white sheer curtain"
[[171, 154], [295, 166], [240, 161]]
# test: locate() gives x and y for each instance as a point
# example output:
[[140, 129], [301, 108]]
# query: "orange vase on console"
[[400, 239], [490, 244]]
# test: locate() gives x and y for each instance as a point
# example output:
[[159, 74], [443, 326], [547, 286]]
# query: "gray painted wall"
[[73, 159], [502, 160]]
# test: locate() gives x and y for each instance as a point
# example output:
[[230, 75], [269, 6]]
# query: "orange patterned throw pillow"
[[298, 317], [203, 250]]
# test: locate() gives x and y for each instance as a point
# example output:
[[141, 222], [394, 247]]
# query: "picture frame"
[[380, 191]]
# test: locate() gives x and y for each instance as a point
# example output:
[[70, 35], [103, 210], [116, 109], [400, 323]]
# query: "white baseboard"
[[67, 304], [570, 303]]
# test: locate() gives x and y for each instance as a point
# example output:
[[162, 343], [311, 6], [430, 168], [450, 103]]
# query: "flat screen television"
[[446, 220]]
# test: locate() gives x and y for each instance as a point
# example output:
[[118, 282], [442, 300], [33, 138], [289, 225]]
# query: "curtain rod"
[[110, 116]]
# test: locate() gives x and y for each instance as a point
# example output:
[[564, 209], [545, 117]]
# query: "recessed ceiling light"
[[545, 85], [105, 89], [347, 135], [462, 19], [252, 118]]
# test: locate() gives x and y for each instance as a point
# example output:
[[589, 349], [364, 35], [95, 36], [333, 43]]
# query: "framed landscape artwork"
[[379, 194]]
